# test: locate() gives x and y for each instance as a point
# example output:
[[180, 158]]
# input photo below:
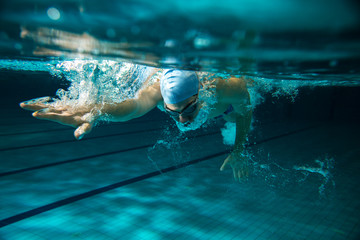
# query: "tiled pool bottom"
[[164, 212], [71, 201]]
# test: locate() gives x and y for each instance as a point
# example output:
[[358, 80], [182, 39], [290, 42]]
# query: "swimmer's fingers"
[[226, 162], [236, 174], [36, 104], [239, 167], [64, 118], [45, 114], [40, 107], [242, 171], [239, 175], [85, 128], [33, 107], [245, 173]]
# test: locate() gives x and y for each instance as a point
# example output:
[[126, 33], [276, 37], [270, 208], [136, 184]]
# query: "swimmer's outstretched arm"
[[84, 118], [129, 109]]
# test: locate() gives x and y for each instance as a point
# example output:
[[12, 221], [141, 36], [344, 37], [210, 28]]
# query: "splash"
[[272, 173], [323, 169], [278, 88], [277, 176], [91, 81], [94, 81]]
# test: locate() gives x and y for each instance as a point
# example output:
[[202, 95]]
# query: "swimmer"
[[178, 92]]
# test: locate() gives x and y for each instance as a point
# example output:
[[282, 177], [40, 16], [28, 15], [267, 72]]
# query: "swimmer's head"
[[176, 85]]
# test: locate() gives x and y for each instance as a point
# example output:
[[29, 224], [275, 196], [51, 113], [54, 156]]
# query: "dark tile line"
[[35, 132], [73, 140], [3, 174], [285, 134], [69, 200], [72, 129]]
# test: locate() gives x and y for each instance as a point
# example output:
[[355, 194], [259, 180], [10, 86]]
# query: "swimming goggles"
[[187, 110]]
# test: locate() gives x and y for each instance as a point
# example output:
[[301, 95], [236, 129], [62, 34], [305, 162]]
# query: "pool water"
[[145, 179]]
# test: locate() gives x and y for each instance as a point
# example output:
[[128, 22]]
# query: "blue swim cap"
[[176, 85]]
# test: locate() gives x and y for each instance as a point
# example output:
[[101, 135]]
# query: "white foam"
[[229, 133]]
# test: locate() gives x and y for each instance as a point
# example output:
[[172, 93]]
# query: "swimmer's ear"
[[83, 129]]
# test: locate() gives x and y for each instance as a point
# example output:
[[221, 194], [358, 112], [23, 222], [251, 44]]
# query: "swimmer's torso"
[[219, 109]]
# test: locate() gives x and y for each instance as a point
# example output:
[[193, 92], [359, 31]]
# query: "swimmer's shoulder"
[[231, 88], [151, 93], [153, 76]]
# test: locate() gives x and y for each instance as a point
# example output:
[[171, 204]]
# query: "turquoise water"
[[146, 179]]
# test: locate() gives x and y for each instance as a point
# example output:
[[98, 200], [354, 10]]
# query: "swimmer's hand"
[[239, 164], [81, 119]]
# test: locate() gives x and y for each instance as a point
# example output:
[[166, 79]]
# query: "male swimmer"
[[179, 94]]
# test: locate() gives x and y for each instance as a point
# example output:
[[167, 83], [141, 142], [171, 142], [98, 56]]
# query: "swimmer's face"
[[185, 111]]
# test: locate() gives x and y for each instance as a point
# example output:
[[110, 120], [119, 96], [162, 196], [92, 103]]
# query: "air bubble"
[[202, 42], [170, 43], [53, 13]]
